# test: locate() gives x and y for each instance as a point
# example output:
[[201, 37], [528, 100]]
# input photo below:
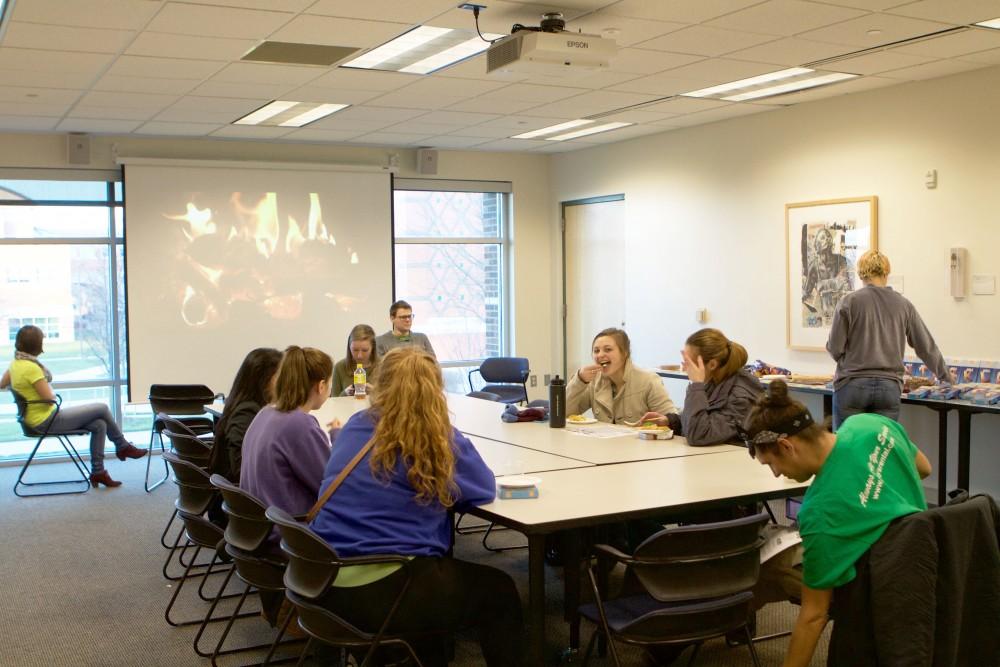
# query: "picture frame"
[[823, 241]]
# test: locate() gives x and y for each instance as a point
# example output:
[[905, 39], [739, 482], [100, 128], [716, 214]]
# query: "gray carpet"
[[83, 585]]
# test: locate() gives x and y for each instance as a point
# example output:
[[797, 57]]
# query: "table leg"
[[536, 599], [827, 405], [572, 558], [964, 448], [942, 496]]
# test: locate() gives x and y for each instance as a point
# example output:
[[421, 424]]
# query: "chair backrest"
[[22, 411], [485, 395], [505, 369], [195, 492], [190, 447], [248, 527], [200, 530], [195, 427], [701, 561], [312, 563], [180, 399]]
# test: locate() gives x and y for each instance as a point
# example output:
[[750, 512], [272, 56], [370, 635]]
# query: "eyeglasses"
[[405, 317]]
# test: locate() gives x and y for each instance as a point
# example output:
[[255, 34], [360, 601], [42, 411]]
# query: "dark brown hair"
[[397, 306], [359, 333], [252, 382], [29, 340], [712, 345], [300, 369], [775, 407], [620, 338]]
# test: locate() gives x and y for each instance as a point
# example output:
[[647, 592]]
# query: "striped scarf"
[[24, 356]]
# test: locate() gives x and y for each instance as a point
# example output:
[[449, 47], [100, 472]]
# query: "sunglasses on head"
[[788, 428]]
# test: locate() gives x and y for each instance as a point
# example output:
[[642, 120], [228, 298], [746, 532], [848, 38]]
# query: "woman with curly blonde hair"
[[396, 501]]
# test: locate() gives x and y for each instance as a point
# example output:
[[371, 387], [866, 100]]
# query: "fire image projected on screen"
[[268, 257]]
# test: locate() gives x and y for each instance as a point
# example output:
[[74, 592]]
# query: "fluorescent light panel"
[[285, 113], [992, 23], [423, 50], [552, 129], [795, 78], [588, 130]]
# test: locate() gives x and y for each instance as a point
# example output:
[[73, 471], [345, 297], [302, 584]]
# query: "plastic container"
[[557, 403], [360, 383]]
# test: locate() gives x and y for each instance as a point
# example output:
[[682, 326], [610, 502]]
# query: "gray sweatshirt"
[[871, 328], [712, 411], [388, 341]]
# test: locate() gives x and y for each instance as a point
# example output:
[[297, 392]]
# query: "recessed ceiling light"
[[992, 23], [795, 78], [821, 79], [874, 32], [423, 50], [552, 129], [285, 113], [716, 91], [588, 130]]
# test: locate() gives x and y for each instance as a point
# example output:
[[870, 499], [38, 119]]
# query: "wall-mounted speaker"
[[427, 161], [78, 148]]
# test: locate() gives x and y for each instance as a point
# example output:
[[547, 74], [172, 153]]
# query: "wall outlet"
[[547, 379], [534, 380]]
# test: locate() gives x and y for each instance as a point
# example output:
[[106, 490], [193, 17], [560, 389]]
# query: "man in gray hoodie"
[[871, 328]]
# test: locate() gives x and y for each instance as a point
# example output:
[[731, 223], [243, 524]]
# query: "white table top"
[[601, 494], [504, 459]]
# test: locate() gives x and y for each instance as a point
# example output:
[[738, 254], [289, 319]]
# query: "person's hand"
[[349, 390], [656, 417], [695, 368], [336, 423], [589, 373]]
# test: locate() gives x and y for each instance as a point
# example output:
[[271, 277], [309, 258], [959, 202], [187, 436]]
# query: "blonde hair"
[[411, 424], [712, 344], [873, 264], [300, 369]]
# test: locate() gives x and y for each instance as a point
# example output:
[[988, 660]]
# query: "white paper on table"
[[601, 430], [777, 539]]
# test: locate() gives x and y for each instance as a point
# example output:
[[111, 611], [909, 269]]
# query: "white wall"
[[533, 332], [705, 208]]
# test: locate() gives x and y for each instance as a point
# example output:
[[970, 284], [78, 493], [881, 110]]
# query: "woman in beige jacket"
[[616, 390]]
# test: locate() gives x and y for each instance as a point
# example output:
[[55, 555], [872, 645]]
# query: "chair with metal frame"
[[186, 401], [257, 564], [695, 584], [505, 376], [188, 445], [313, 565], [195, 495], [41, 434], [484, 395]]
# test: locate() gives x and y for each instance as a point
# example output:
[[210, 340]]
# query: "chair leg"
[[229, 624], [305, 653], [694, 654], [751, 647], [74, 456], [486, 536], [590, 648], [166, 530], [149, 460]]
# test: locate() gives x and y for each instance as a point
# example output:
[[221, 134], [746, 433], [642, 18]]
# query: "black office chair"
[[184, 401], [484, 395], [505, 376], [63, 438], [696, 584], [312, 567]]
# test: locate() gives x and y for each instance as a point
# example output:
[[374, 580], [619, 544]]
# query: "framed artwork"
[[823, 241]]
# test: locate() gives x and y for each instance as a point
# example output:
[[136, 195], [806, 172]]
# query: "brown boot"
[[97, 478], [130, 451]]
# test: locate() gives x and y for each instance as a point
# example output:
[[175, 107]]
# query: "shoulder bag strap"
[[339, 479]]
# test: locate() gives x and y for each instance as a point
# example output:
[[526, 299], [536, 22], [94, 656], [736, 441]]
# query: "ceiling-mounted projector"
[[549, 50]]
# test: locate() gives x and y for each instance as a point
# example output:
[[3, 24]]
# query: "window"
[[60, 249], [451, 250]]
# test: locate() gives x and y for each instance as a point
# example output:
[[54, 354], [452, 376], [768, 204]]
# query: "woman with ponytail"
[[844, 512], [285, 450], [396, 500], [721, 392]]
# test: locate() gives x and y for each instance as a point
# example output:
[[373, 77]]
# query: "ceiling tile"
[[411, 11], [111, 113], [624, 133], [638, 116], [595, 81], [932, 70], [880, 61], [434, 85], [870, 5], [492, 105], [26, 108], [53, 61], [475, 68], [27, 123], [991, 57], [279, 5], [720, 70], [115, 14], [705, 41], [163, 68], [512, 145], [784, 17], [311, 93], [250, 91], [171, 46], [390, 139], [419, 127], [892, 29], [291, 75], [663, 85], [29, 79], [127, 100], [789, 52], [65, 38], [529, 92], [209, 21], [374, 114], [834, 90], [312, 29], [516, 124], [38, 95], [338, 123], [682, 11], [490, 131], [958, 12], [720, 113], [457, 118], [407, 100], [252, 131], [682, 105], [641, 61], [500, 16], [625, 30], [312, 134], [97, 126], [136, 84], [356, 79], [589, 103], [228, 105], [177, 129], [454, 142], [960, 44]]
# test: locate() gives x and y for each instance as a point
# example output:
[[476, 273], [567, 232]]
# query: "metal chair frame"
[[176, 400], [62, 437]]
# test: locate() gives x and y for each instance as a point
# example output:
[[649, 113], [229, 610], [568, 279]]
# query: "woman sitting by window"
[[396, 501], [30, 379]]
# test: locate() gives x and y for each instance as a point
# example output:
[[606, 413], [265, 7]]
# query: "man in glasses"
[[864, 477], [402, 334]]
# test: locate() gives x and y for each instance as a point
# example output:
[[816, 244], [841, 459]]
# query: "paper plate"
[[580, 422], [518, 481]]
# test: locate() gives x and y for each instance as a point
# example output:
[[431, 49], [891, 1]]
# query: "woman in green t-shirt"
[[30, 379], [864, 476]]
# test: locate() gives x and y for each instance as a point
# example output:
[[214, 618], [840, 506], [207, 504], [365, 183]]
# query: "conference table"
[[587, 482]]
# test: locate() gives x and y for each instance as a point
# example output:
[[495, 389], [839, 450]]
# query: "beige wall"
[[706, 216], [533, 332]]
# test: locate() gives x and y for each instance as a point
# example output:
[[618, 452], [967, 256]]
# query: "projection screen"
[[221, 258]]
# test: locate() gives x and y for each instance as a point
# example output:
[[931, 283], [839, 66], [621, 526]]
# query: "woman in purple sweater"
[[396, 501], [285, 450]]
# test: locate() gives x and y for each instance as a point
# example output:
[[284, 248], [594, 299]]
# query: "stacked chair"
[[185, 403]]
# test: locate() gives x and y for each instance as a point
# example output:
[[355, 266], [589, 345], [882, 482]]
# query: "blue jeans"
[[93, 417], [877, 395]]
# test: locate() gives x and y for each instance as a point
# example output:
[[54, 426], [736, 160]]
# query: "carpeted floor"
[[83, 587]]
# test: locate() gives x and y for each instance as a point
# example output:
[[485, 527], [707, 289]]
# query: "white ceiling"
[[172, 68]]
